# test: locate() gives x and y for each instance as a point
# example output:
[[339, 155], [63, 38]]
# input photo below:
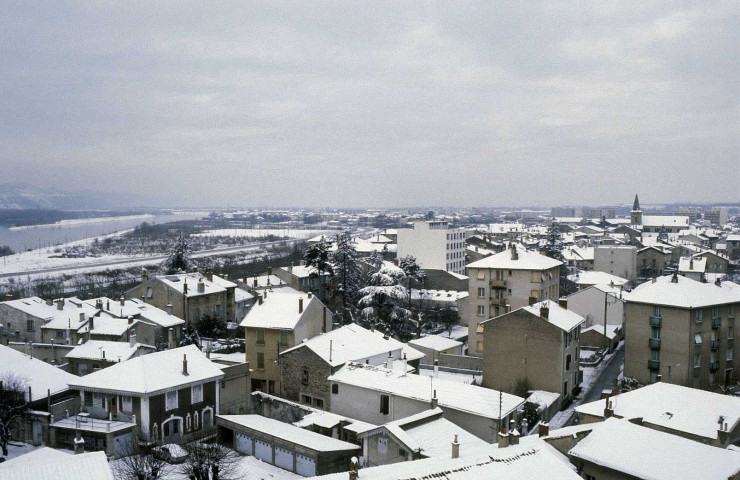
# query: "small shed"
[[286, 446]]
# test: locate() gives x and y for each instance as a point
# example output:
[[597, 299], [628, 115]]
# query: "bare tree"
[[141, 465], [209, 461], [13, 407]]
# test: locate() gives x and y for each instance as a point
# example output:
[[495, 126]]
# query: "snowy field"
[[258, 233], [83, 221]]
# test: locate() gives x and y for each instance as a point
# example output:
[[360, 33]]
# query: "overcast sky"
[[375, 103]]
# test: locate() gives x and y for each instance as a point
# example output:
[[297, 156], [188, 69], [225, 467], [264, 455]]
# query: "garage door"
[[305, 466], [263, 451], [243, 444], [284, 459]]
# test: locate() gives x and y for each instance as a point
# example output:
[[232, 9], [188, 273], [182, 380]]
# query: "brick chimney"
[[169, 309], [544, 429], [123, 301], [503, 439], [718, 282], [60, 304], [185, 287], [544, 310], [259, 299], [300, 305], [209, 275], [201, 286], [723, 435], [49, 301], [171, 337], [184, 364], [608, 409], [674, 279], [455, 448], [435, 400], [130, 320]]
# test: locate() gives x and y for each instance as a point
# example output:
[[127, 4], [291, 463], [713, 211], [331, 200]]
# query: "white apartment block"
[[619, 260], [435, 244]]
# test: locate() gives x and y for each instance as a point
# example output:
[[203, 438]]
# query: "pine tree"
[[383, 298], [347, 276], [179, 257], [317, 256], [553, 248]]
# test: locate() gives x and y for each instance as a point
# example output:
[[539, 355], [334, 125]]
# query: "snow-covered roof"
[[151, 373], [42, 454], [692, 265], [665, 221], [222, 282], [177, 282], [673, 407], [642, 452], [110, 326], [684, 293], [279, 310], [241, 295], [454, 395], [136, 308], [435, 342], [558, 316], [610, 332], [264, 281], [446, 296], [37, 307], [429, 433], [302, 271], [578, 253], [114, 351], [595, 277], [354, 343], [289, 433], [84, 466], [37, 374], [526, 261], [534, 460]]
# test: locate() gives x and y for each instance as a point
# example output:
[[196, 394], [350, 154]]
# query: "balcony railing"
[[654, 342], [498, 283], [501, 302], [653, 365], [714, 345], [713, 366], [656, 321], [716, 322]]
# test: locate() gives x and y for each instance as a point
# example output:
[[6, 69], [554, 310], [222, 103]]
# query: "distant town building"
[[435, 244]]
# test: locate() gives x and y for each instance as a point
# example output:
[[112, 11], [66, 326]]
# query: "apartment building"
[[619, 260], [716, 216], [683, 330], [435, 244], [537, 345], [278, 321], [651, 260], [25, 319], [504, 282]]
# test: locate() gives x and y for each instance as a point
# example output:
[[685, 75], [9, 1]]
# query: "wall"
[[589, 304], [235, 390], [292, 365], [394, 452], [15, 320], [617, 260], [44, 351], [432, 247]]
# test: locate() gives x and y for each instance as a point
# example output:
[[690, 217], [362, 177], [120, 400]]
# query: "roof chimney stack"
[[718, 282], [436, 369], [259, 299], [201, 286], [185, 288], [49, 301], [130, 320], [300, 305], [503, 439], [455, 448], [184, 364], [435, 400], [60, 304], [544, 310], [674, 279], [132, 340], [608, 410], [544, 429], [171, 337], [722, 434], [169, 308]]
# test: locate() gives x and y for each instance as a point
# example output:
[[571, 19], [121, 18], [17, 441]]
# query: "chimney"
[[609, 410], [675, 277], [300, 305], [544, 310], [103, 352], [389, 361], [436, 369], [123, 301], [201, 286], [405, 363], [144, 275], [132, 340], [544, 429], [184, 364], [455, 448], [171, 337], [209, 275], [658, 378], [255, 282], [310, 294], [353, 467], [563, 302], [60, 304], [503, 439], [691, 264], [435, 400], [723, 435], [718, 282], [49, 302], [290, 268], [514, 433], [514, 253], [130, 320], [259, 299], [107, 304], [169, 308], [655, 278], [185, 288], [323, 328]]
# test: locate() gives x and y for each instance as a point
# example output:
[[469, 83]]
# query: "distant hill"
[[23, 196]]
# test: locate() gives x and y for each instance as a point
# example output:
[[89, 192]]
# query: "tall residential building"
[[506, 281], [683, 330], [619, 260], [435, 244], [716, 216]]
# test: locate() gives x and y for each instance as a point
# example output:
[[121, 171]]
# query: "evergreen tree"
[[663, 235], [317, 256], [411, 268], [383, 298], [347, 276], [553, 248], [375, 260], [179, 257]]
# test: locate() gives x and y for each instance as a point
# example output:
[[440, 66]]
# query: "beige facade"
[[525, 348]]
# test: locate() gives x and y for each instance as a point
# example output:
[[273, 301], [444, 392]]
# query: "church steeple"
[[636, 205], [636, 216]]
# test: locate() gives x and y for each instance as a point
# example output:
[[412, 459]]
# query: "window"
[[335, 389], [481, 310], [655, 333], [567, 362], [499, 274], [318, 403], [195, 420], [481, 292], [655, 355], [731, 311], [171, 400], [656, 311], [481, 274], [97, 399], [699, 316], [401, 452], [260, 336], [730, 331], [197, 313], [188, 423], [283, 338], [306, 399], [304, 377], [715, 312], [565, 389], [196, 393], [29, 325], [535, 276], [59, 334], [87, 399], [509, 272], [127, 404], [729, 353], [149, 292], [385, 403], [697, 359], [260, 360], [479, 347]]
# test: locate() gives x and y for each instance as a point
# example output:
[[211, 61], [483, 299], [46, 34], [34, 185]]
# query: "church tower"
[[636, 216]]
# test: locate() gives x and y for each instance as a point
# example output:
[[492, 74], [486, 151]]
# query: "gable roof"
[[151, 373], [114, 351], [279, 310], [85, 466], [557, 316], [684, 293], [527, 261], [642, 452], [39, 375], [435, 342]]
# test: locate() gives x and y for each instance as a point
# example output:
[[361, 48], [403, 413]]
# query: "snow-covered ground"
[[83, 221], [259, 232]]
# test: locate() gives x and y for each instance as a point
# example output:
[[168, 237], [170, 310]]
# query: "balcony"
[[653, 365], [654, 342], [713, 366], [498, 283], [656, 321], [501, 302], [714, 345], [716, 322]]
